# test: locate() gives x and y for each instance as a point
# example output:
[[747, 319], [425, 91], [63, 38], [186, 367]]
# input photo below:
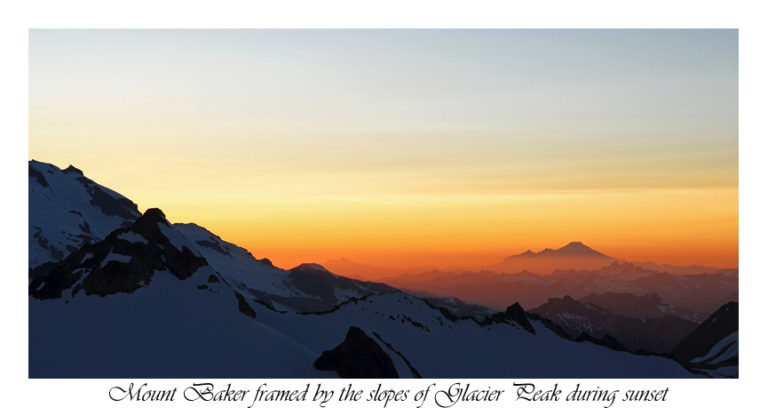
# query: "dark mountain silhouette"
[[574, 255], [514, 313], [691, 297], [358, 356], [718, 326], [580, 318], [351, 269], [317, 281], [687, 269], [713, 347], [573, 249], [647, 306]]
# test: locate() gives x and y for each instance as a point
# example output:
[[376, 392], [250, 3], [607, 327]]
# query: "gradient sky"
[[411, 147]]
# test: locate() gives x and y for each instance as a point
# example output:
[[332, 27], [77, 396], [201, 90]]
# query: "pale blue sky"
[[357, 96], [312, 144]]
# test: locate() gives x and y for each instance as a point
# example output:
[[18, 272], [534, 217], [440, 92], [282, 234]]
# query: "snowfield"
[[134, 296]]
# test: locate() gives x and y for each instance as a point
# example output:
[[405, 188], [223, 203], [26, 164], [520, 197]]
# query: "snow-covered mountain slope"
[[126, 260], [67, 210], [425, 336], [308, 287], [141, 296], [141, 303], [128, 257], [153, 299], [174, 325], [173, 329], [168, 328], [713, 347], [722, 360], [457, 307]]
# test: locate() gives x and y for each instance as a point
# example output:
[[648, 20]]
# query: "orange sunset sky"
[[401, 148]]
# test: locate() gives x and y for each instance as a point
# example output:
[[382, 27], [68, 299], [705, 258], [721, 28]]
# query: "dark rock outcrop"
[[358, 356], [513, 313], [719, 325], [244, 307], [38, 176], [73, 169], [102, 276], [607, 341]]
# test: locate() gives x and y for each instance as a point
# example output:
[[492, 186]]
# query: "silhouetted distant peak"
[[577, 249], [515, 308], [573, 249], [311, 267]]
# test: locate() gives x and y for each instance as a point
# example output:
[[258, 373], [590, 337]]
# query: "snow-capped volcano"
[[573, 255], [575, 249]]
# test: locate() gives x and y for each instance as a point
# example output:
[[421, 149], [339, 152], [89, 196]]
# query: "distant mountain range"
[[525, 260], [699, 295], [710, 348], [648, 306], [656, 331], [573, 256], [118, 294]]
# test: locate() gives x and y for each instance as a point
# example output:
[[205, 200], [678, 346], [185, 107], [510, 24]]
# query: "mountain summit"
[[573, 249], [575, 256]]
